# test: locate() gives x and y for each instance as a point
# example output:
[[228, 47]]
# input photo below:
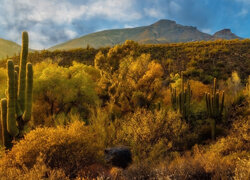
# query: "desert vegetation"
[[182, 109]]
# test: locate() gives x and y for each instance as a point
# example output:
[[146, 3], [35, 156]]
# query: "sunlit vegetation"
[[150, 98]]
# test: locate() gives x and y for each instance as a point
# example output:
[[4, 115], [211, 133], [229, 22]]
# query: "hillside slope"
[[8, 48]]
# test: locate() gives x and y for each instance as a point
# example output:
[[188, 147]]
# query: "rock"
[[119, 157]]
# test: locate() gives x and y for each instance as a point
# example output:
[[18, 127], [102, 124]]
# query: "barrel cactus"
[[17, 107]]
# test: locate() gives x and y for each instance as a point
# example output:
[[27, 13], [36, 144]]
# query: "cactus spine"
[[181, 101], [16, 110], [214, 108]]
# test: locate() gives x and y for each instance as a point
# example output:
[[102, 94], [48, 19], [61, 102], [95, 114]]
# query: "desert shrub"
[[105, 129], [140, 171], [186, 167], [225, 159], [198, 89], [247, 89], [39, 171], [68, 149], [151, 134], [242, 170], [60, 90]]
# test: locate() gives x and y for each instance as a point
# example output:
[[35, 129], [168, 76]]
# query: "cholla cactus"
[[214, 107], [16, 109]]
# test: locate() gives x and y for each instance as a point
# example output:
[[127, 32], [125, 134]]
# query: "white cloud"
[[129, 26], [174, 6], [46, 20], [71, 34], [121, 10], [61, 11], [206, 30], [243, 12], [153, 12]]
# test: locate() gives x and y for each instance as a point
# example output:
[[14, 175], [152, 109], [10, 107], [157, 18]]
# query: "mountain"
[[225, 34], [163, 31], [8, 48]]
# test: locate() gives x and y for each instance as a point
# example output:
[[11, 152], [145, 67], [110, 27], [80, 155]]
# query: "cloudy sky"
[[50, 22]]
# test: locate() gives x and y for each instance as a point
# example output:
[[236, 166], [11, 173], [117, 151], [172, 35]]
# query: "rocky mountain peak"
[[225, 34]]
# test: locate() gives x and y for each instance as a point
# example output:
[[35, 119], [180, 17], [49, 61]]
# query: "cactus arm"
[[182, 82], [6, 138], [214, 89], [222, 103], [16, 84], [29, 86], [11, 105], [22, 71], [4, 132]]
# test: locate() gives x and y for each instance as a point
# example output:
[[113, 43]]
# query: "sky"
[[50, 22]]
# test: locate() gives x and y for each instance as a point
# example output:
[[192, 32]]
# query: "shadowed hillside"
[[201, 60]]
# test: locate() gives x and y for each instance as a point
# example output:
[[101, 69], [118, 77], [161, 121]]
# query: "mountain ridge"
[[160, 32]]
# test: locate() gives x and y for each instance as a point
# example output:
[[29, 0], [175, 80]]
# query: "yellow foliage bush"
[[151, 134], [198, 89], [68, 149]]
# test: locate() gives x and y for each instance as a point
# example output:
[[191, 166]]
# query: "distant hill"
[[8, 48], [225, 34], [163, 31]]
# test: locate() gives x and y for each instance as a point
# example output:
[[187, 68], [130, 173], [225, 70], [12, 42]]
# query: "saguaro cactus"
[[22, 73], [16, 110], [214, 108], [181, 101]]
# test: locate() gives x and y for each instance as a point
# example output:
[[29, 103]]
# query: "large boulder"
[[119, 157]]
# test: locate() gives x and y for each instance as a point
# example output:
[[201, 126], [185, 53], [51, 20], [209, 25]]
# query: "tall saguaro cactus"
[[22, 73], [181, 101], [16, 109], [214, 108]]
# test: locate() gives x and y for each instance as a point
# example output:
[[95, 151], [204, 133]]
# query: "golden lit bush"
[[68, 149], [151, 134], [242, 170], [39, 171], [105, 129], [198, 89], [59, 90]]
